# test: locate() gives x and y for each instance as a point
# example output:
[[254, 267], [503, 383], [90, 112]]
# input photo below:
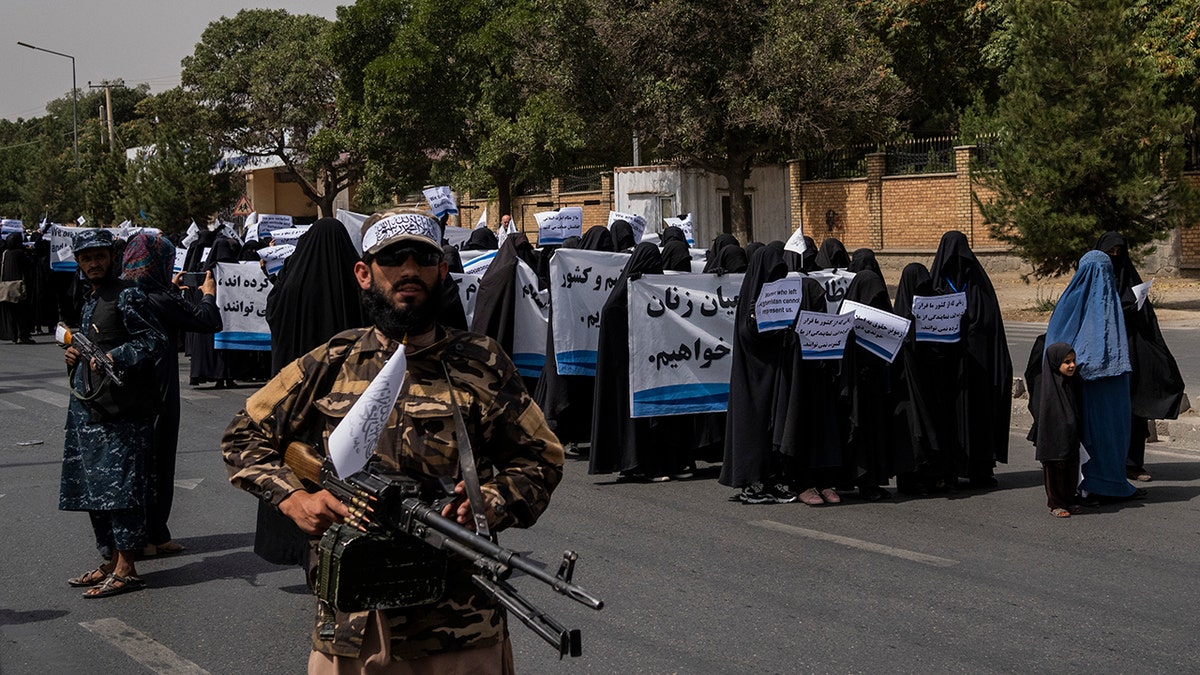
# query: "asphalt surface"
[[982, 581]]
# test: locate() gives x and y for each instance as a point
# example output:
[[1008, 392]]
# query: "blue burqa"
[[1088, 317]]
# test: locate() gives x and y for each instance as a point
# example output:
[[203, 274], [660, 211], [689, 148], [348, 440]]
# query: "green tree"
[[949, 53], [721, 85], [435, 92], [264, 83], [1087, 140], [178, 176]]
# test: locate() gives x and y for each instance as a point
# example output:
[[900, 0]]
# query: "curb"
[[1180, 434]]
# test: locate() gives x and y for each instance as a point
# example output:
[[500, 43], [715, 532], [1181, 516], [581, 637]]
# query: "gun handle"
[[301, 458]]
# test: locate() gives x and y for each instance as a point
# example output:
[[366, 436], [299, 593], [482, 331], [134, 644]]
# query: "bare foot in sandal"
[[1060, 513], [114, 584], [91, 578]]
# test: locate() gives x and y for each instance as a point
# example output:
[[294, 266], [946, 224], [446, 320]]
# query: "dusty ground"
[[1176, 299]]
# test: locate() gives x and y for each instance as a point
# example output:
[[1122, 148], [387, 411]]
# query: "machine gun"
[[88, 351], [392, 505]]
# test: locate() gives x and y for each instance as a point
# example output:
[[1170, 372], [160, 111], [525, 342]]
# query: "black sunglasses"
[[395, 257]]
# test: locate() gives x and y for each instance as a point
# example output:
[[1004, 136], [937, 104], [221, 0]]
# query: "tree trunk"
[[504, 192], [736, 174]]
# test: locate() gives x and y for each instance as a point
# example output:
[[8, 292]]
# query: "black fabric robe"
[[1156, 386], [808, 429], [985, 406], [1055, 404], [208, 363], [832, 255], [926, 388], [646, 447], [42, 301], [676, 256], [598, 238], [566, 400], [622, 234], [750, 452], [315, 295], [808, 259], [866, 394], [730, 260], [719, 242], [864, 259], [16, 318], [481, 239], [498, 291]]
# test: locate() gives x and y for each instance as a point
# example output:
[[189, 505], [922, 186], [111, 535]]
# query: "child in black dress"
[[1056, 429]]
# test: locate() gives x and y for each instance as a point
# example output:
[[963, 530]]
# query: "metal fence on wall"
[[921, 156]]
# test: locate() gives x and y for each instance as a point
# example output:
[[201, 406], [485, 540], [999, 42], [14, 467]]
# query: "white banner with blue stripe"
[[531, 319], [580, 283], [681, 342], [939, 317], [242, 298]]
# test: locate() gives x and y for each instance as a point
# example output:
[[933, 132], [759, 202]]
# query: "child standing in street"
[[1055, 432]]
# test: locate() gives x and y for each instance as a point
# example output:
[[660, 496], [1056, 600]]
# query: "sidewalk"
[[1176, 304]]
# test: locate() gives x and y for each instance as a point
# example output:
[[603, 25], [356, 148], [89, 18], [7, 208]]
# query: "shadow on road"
[[244, 565], [10, 617]]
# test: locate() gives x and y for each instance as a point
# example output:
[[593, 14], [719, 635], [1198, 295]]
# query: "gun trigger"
[[447, 483], [566, 569]]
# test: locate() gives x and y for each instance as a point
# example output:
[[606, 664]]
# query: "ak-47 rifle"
[[88, 351], [393, 504]]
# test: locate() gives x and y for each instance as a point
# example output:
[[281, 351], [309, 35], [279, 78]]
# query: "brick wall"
[[1189, 239]]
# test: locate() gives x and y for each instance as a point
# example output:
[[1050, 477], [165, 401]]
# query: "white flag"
[[354, 439]]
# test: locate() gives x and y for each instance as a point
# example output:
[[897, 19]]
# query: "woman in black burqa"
[[622, 234], [832, 255], [864, 259], [16, 319], [810, 434], [985, 406], [719, 242], [1156, 386], [495, 305], [315, 295], [751, 461], [1056, 428], [926, 389], [650, 448], [866, 397], [208, 363], [675, 252], [566, 400]]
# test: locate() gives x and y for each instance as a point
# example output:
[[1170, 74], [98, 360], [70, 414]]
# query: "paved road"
[[694, 583]]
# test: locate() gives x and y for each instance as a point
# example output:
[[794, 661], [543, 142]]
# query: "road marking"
[[142, 648], [187, 483], [188, 395], [53, 398], [5, 405], [872, 547]]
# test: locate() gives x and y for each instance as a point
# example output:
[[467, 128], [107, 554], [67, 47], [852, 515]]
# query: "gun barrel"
[[455, 532]]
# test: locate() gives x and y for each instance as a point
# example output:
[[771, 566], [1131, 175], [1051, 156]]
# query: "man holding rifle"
[[518, 458], [110, 419]]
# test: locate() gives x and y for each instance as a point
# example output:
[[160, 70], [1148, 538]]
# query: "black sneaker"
[[755, 493], [782, 494]]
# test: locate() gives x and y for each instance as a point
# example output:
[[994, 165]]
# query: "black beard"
[[398, 323]]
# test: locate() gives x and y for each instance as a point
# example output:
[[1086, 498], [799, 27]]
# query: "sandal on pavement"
[[114, 584], [1060, 513], [811, 498], [831, 496], [88, 578]]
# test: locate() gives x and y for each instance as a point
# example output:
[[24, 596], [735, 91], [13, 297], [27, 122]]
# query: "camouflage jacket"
[[519, 459]]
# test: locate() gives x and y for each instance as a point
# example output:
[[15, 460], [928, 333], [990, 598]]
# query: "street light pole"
[[74, 96]]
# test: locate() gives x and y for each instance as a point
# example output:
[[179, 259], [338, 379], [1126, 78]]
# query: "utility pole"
[[107, 86]]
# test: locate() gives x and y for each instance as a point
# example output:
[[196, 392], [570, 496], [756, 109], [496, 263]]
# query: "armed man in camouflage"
[[519, 459], [110, 428]]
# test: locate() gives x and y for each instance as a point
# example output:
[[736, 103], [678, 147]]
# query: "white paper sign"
[[938, 318], [1141, 292], [289, 235], [274, 256], [81, 220], [778, 302], [531, 319], [680, 342], [879, 332], [796, 241], [554, 226], [441, 200], [482, 222], [8, 226], [62, 241], [242, 299], [580, 283], [455, 236], [353, 440], [270, 222], [468, 293], [823, 336], [685, 224], [636, 223], [180, 256]]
